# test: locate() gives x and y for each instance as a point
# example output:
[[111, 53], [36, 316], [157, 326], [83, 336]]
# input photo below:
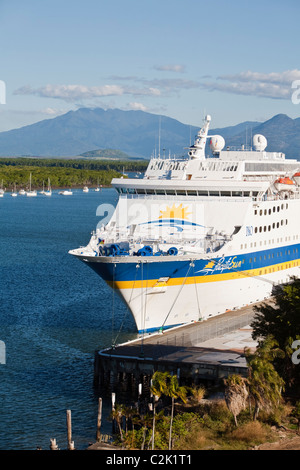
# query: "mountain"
[[77, 132], [281, 132], [135, 133]]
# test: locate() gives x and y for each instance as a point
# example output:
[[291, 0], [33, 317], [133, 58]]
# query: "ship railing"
[[208, 329], [284, 195]]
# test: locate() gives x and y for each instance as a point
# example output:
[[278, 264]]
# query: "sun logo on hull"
[[174, 212]]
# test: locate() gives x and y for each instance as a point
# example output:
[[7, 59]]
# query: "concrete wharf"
[[200, 352]]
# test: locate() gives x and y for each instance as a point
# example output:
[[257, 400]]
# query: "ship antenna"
[[159, 136]]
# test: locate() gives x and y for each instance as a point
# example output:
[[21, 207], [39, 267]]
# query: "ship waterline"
[[198, 236], [194, 290]]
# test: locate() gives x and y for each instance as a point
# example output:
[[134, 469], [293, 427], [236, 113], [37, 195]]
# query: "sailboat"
[[43, 192], [66, 192], [98, 188], [1, 190], [14, 192], [49, 190], [30, 193]]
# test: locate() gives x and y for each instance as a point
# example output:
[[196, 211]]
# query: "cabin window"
[[181, 192]]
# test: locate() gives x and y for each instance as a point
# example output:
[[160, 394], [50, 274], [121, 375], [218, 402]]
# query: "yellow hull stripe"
[[178, 281]]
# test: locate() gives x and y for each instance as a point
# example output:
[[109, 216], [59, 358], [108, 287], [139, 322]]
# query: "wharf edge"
[[194, 352]]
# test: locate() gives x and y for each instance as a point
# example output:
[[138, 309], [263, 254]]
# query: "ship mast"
[[197, 151]]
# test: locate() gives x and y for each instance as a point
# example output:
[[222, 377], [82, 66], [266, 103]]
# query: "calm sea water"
[[54, 313]]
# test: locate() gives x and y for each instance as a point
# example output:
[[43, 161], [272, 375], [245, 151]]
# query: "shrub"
[[251, 433]]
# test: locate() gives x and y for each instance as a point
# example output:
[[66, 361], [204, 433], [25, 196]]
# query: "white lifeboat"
[[285, 184]]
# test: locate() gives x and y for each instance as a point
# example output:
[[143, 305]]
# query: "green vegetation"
[[199, 424], [253, 408], [63, 172], [280, 323]]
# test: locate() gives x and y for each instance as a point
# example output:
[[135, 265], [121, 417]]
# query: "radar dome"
[[259, 142], [217, 143]]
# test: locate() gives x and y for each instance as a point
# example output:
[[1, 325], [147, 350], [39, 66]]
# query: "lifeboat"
[[285, 184], [296, 177]]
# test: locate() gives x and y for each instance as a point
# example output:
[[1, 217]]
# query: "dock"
[[200, 352]]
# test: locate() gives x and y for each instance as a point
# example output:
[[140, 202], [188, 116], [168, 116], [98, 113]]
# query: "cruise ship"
[[200, 235]]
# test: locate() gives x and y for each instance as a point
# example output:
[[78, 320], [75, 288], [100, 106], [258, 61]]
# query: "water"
[[54, 313]]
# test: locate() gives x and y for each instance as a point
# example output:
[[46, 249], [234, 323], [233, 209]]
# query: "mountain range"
[[136, 133]]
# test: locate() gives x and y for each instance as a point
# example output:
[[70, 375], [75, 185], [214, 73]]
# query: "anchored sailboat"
[[31, 193]]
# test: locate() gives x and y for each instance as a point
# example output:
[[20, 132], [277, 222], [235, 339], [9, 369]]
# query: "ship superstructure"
[[197, 236]]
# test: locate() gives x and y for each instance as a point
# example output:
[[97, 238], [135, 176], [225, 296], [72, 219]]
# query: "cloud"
[[158, 85], [170, 68], [135, 106], [82, 92], [273, 85]]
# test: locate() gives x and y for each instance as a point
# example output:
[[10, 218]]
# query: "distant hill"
[[106, 154], [91, 132]]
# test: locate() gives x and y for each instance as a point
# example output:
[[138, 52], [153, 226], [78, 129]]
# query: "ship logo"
[[174, 216], [175, 213], [223, 264]]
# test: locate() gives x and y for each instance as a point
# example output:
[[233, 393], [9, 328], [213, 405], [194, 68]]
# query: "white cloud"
[[135, 106], [81, 92], [52, 111], [170, 68], [273, 85]]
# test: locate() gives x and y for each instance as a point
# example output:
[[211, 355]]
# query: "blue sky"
[[235, 60]]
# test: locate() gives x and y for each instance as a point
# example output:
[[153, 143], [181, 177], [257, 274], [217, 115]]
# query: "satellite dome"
[[259, 142], [217, 143]]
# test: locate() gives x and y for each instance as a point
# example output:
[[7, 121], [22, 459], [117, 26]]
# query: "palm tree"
[[174, 391], [198, 393], [265, 384], [236, 394], [117, 415], [157, 388], [163, 383]]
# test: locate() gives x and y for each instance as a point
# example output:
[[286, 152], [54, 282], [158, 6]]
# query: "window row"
[[269, 211], [268, 228], [270, 256], [186, 192], [269, 242]]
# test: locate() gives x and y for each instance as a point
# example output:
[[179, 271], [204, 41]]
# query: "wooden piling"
[[53, 445], [99, 419], [69, 431]]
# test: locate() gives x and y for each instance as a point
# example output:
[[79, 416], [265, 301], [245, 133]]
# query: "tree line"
[[62, 173], [79, 164]]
